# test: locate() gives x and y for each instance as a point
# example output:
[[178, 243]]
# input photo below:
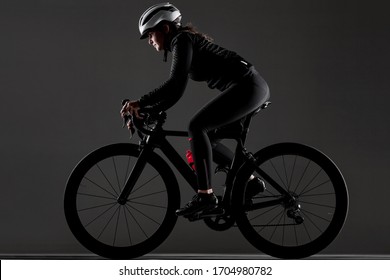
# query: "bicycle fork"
[[134, 175]]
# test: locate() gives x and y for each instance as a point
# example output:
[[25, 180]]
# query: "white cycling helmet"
[[156, 14]]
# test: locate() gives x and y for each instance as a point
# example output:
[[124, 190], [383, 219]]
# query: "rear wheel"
[[114, 230], [306, 220]]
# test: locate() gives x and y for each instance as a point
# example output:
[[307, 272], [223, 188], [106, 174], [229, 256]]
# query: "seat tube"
[[236, 164]]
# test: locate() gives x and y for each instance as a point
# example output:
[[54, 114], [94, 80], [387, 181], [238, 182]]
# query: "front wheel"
[[305, 218], [126, 230]]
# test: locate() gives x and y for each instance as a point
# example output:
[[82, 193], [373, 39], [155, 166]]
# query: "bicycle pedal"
[[205, 214]]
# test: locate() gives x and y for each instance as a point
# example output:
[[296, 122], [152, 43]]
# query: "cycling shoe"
[[199, 203]]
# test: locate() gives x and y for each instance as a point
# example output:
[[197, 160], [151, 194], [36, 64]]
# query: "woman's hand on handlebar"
[[129, 109], [132, 108]]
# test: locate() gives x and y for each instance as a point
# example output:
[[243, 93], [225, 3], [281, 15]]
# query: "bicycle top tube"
[[176, 133], [153, 123]]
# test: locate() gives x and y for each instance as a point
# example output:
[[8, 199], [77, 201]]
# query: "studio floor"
[[191, 257]]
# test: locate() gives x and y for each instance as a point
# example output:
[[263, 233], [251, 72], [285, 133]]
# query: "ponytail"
[[192, 29]]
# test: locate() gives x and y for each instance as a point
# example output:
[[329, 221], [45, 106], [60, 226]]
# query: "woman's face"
[[156, 39]]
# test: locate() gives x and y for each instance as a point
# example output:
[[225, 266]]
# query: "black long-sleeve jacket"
[[195, 57]]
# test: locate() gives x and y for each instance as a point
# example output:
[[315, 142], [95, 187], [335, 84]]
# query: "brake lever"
[[125, 120], [128, 118]]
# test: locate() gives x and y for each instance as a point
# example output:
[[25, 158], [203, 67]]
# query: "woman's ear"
[[165, 28]]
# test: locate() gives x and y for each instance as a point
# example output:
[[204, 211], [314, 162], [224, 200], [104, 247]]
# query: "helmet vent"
[[153, 13]]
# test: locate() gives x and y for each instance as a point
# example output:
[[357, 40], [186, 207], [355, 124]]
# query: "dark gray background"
[[66, 64]]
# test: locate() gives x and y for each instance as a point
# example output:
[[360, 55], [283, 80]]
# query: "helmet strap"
[[165, 55]]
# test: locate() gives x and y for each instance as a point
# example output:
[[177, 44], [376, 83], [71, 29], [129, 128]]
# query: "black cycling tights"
[[234, 103]]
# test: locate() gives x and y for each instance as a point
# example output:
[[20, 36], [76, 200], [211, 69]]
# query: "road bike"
[[120, 200]]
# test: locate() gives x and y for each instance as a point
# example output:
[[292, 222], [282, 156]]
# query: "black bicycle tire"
[[89, 241], [335, 225]]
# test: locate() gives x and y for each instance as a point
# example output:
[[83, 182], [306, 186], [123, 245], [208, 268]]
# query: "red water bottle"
[[190, 159]]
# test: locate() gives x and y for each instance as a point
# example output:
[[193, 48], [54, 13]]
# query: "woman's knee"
[[195, 126]]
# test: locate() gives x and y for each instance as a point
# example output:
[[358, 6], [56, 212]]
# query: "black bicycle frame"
[[158, 140]]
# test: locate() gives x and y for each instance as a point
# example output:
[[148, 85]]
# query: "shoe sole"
[[203, 209], [205, 214]]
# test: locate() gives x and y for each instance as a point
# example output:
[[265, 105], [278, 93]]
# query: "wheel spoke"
[[144, 184], [127, 226], [116, 174], [311, 221], [313, 188], [311, 181], [136, 221], [296, 236], [319, 194], [318, 204], [148, 204], [116, 227], [143, 214], [262, 214], [108, 181], [278, 223], [149, 194], [303, 174], [307, 232], [96, 206], [284, 229], [277, 173], [100, 187], [311, 213], [270, 221], [285, 173], [293, 169], [98, 196], [101, 214], [105, 227]]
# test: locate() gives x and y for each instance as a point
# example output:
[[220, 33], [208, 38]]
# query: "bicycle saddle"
[[234, 130]]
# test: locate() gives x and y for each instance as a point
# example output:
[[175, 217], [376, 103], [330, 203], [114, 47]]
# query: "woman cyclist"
[[195, 56]]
